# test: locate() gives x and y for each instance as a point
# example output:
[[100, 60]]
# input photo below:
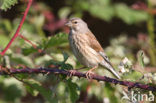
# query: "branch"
[[79, 74], [31, 43], [18, 29], [27, 40]]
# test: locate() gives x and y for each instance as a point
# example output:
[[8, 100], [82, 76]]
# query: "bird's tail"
[[111, 69]]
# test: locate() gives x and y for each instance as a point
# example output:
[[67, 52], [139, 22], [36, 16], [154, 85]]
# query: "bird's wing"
[[96, 46], [93, 43], [105, 58]]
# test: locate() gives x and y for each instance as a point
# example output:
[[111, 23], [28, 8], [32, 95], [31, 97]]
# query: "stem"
[[18, 29], [25, 39], [150, 27], [33, 45], [78, 74]]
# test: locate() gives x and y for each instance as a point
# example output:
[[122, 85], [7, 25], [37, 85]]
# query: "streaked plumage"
[[85, 46]]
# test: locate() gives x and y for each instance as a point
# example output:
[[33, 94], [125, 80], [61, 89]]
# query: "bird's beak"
[[69, 24]]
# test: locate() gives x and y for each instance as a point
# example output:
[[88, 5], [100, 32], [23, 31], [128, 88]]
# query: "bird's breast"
[[82, 51]]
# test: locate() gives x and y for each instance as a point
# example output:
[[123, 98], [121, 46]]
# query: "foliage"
[[6, 4], [141, 58], [105, 10], [44, 27]]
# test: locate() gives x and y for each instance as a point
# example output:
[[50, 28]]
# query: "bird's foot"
[[71, 73], [89, 74]]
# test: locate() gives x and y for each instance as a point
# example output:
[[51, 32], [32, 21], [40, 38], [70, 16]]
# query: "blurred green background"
[[124, 29]]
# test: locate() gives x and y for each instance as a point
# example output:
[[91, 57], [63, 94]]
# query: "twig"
[[33, 45], [79, 74], [18, 29], [25, 39]]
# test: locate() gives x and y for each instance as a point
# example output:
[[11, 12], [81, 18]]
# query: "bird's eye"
[[75, 22]]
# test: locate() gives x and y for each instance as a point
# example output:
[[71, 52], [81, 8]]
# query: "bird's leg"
[[72, 72], [90, 73]]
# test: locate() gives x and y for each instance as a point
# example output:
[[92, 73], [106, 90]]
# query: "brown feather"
[[94, 43]]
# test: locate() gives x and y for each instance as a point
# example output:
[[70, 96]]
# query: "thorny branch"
[[18, 29], [79, 74]]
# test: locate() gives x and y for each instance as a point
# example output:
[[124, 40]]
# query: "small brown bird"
[[86, 48]]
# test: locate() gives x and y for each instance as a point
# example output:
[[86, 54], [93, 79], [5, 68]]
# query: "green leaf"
[[20, 59], [101, 9], [73, 91], [109, 92], [129, 15], [4, 40], [64, 12], [57, 40], [31, 90], [65, 56], [27, 51], [13, 89], [7, 25], [141, 58], [22, 76], [103, 12], [66, 66], [47, 94], [6, 4]]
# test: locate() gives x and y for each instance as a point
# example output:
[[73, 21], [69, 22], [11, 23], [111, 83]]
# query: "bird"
[[86, 47]]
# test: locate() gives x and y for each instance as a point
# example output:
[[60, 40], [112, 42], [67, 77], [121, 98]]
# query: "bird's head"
[[77, 24]]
